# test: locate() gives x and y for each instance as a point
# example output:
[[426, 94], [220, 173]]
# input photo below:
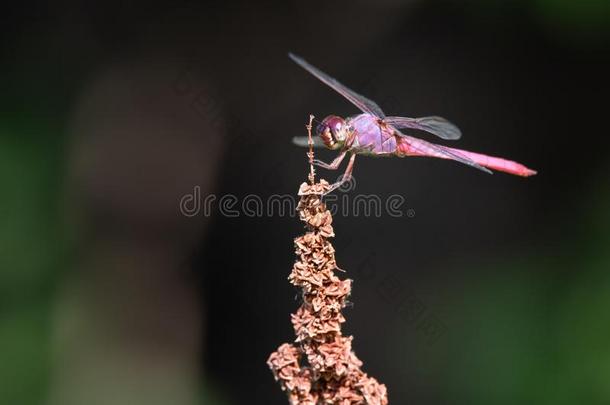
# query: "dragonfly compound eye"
[[326, 135], [332, 131]]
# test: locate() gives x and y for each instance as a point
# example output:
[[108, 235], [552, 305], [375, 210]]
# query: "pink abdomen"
[[414, 148]]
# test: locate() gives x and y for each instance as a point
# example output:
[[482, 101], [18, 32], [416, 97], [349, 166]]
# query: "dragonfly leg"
[[334, 165], [346, 176]]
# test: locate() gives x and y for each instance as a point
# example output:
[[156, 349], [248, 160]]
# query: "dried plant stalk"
[[320, 366]]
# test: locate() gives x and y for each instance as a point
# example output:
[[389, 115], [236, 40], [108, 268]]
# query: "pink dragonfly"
[[373, 133]]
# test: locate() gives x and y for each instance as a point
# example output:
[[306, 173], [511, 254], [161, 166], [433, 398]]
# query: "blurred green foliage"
[[534, 330], [31, 250], [587, 13], [580, 21]]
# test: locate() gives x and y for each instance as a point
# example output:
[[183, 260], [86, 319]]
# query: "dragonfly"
[[372, 133]]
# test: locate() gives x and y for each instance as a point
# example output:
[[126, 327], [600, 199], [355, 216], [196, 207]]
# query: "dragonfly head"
[[333, 131]]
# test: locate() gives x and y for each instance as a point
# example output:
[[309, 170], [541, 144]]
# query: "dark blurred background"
[[113, 112]]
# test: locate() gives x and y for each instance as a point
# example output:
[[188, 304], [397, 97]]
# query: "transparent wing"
[[430, 149], [304, 141], [435, 125], [363, 103]]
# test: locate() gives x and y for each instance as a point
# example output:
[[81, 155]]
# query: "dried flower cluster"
[[320, 367]]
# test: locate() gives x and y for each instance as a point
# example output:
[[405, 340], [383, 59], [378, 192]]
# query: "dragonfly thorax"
[[333, 131]]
